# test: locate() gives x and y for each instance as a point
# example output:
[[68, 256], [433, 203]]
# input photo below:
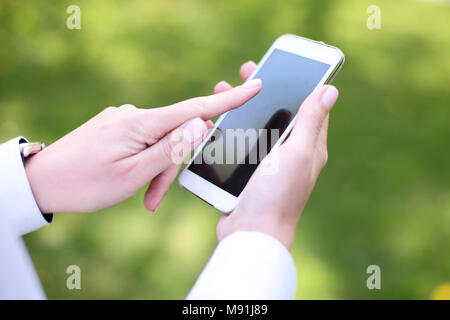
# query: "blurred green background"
[[384, 197]]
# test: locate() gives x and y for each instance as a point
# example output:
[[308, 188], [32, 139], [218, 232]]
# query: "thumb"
[[311, 116], [173, 148]]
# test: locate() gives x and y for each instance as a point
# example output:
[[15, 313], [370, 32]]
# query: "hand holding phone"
[[273, 203], [223, 165]]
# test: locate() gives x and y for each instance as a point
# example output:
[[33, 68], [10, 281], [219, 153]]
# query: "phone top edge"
[[290, 35], [318, 42]]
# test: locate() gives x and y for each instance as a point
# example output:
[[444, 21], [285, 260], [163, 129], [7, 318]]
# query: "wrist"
[[33, 168], [274, 224]]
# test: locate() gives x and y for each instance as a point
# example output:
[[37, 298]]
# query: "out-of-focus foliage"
[[384, 197]]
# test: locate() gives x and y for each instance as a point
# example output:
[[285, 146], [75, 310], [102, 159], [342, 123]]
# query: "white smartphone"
[[290, 70]]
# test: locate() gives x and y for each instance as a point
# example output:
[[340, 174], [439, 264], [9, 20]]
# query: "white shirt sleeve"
[[247, 265], [19, 214], [17, 203], [18, 279]]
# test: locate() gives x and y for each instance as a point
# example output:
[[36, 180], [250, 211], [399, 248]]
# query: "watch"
[[29, 148]]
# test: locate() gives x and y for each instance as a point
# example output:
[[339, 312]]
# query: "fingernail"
[[329, 97], [194, 130], [252, 84]]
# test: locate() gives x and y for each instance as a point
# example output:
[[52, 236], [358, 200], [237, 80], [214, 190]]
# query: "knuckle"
[[127, 107], [109, 109], [167, 148], [172, 147], [127, 114], [128, 166], [197, 104], [105, 119]]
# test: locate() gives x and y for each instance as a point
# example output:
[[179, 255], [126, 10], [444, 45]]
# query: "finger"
[[161, 183], [222, 86], [209, 124], [203, 107], [173, 148], [247, 69], [310, 118], [159, 187]]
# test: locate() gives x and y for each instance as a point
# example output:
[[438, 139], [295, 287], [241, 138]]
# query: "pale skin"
[[302, 156], [113, 155]]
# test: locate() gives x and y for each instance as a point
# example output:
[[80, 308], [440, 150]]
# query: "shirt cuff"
[[17, 203], [247, 265]]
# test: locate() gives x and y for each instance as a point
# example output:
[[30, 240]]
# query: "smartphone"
[[290, 70]]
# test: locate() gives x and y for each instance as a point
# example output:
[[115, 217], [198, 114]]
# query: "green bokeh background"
[[384, 197]]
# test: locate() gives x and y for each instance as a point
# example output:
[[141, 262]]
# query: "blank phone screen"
[[235, 149]]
